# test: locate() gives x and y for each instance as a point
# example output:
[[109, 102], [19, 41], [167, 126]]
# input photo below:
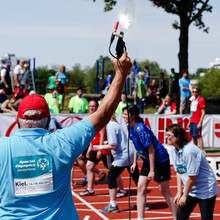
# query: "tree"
[[41, 79], [77, 77], [153, 66], [92, 73], [189, 11], [209, 83]]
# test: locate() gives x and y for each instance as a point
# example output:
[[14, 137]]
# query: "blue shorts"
[[194, 131]]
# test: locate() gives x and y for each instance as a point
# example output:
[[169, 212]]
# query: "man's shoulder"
[[84, 99], [73, 97], [59, 95], [47, 95], [18, 67], [201, 99]]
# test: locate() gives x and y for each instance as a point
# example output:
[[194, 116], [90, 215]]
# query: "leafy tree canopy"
[[209, 83], [153, 66], [188, 11], [191, 10]]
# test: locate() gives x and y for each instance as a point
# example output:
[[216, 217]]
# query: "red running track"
[[89, 207]]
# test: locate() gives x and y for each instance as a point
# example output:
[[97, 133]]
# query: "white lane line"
[[91, 207], [126, 188], [87, 217]]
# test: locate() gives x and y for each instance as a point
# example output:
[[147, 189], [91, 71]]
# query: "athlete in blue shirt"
[[155, 157], [194, 171], [36, 164]]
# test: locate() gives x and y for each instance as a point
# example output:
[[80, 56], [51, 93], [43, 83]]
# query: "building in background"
[[216, 63]]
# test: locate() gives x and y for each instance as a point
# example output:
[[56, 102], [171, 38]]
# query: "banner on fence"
[[157, 123]]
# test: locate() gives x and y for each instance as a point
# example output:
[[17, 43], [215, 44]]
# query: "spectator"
[[185, 91], [5, 104], [6, 78], [156, 164], [174, 80], [141, 92], [26, 77], [19, 93], [78, 104], [62, 79], [121, 104], [108, 81], [147, 77], [18, 73], [152, 91], [134, 75], [197, 113], [194, 171], [54, 99], [162, 89], [168, 106], [118, 145], [49, 156], [51, 80]]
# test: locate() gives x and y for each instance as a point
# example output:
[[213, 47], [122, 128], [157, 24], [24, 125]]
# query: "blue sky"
[[73, 32]]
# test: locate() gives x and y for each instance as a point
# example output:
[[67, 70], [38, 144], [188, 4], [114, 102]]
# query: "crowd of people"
[[100, 137]]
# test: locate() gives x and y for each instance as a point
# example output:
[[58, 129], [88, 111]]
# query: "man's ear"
[[18, 122]]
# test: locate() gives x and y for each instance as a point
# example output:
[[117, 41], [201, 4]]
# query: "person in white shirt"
[[18, 73], [6, 78]]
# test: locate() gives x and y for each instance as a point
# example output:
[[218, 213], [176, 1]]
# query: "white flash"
[[124, 22]]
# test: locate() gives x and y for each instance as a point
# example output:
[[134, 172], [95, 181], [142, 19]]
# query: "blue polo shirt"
[[185, 83], [143, 137], [190, 161], [35, 171]]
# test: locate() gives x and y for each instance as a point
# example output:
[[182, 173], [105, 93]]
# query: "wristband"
[[90, 148], [101, 147]]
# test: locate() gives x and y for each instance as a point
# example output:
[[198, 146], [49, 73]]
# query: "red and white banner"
[[157, 123]]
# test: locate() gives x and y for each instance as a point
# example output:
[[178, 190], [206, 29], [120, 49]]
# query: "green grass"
[[212, 150], [150, 108]]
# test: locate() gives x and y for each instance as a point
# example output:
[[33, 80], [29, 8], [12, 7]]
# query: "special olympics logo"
[[43, 163]]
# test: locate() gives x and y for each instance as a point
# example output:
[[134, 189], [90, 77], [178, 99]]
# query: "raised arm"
[[110, 102]]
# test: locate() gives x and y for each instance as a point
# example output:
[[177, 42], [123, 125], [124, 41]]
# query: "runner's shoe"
[[110, 209], [87, 193], [121, 193], [102, 176], [147, 207]]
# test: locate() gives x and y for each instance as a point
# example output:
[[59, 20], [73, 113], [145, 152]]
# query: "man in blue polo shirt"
[[36, 164]]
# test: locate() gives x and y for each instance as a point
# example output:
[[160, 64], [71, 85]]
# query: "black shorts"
[[162, 171], [85, 151], [106, 159], [61, 88]]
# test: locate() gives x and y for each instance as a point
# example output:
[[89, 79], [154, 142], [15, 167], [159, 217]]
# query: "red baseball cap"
[[33, 102]]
